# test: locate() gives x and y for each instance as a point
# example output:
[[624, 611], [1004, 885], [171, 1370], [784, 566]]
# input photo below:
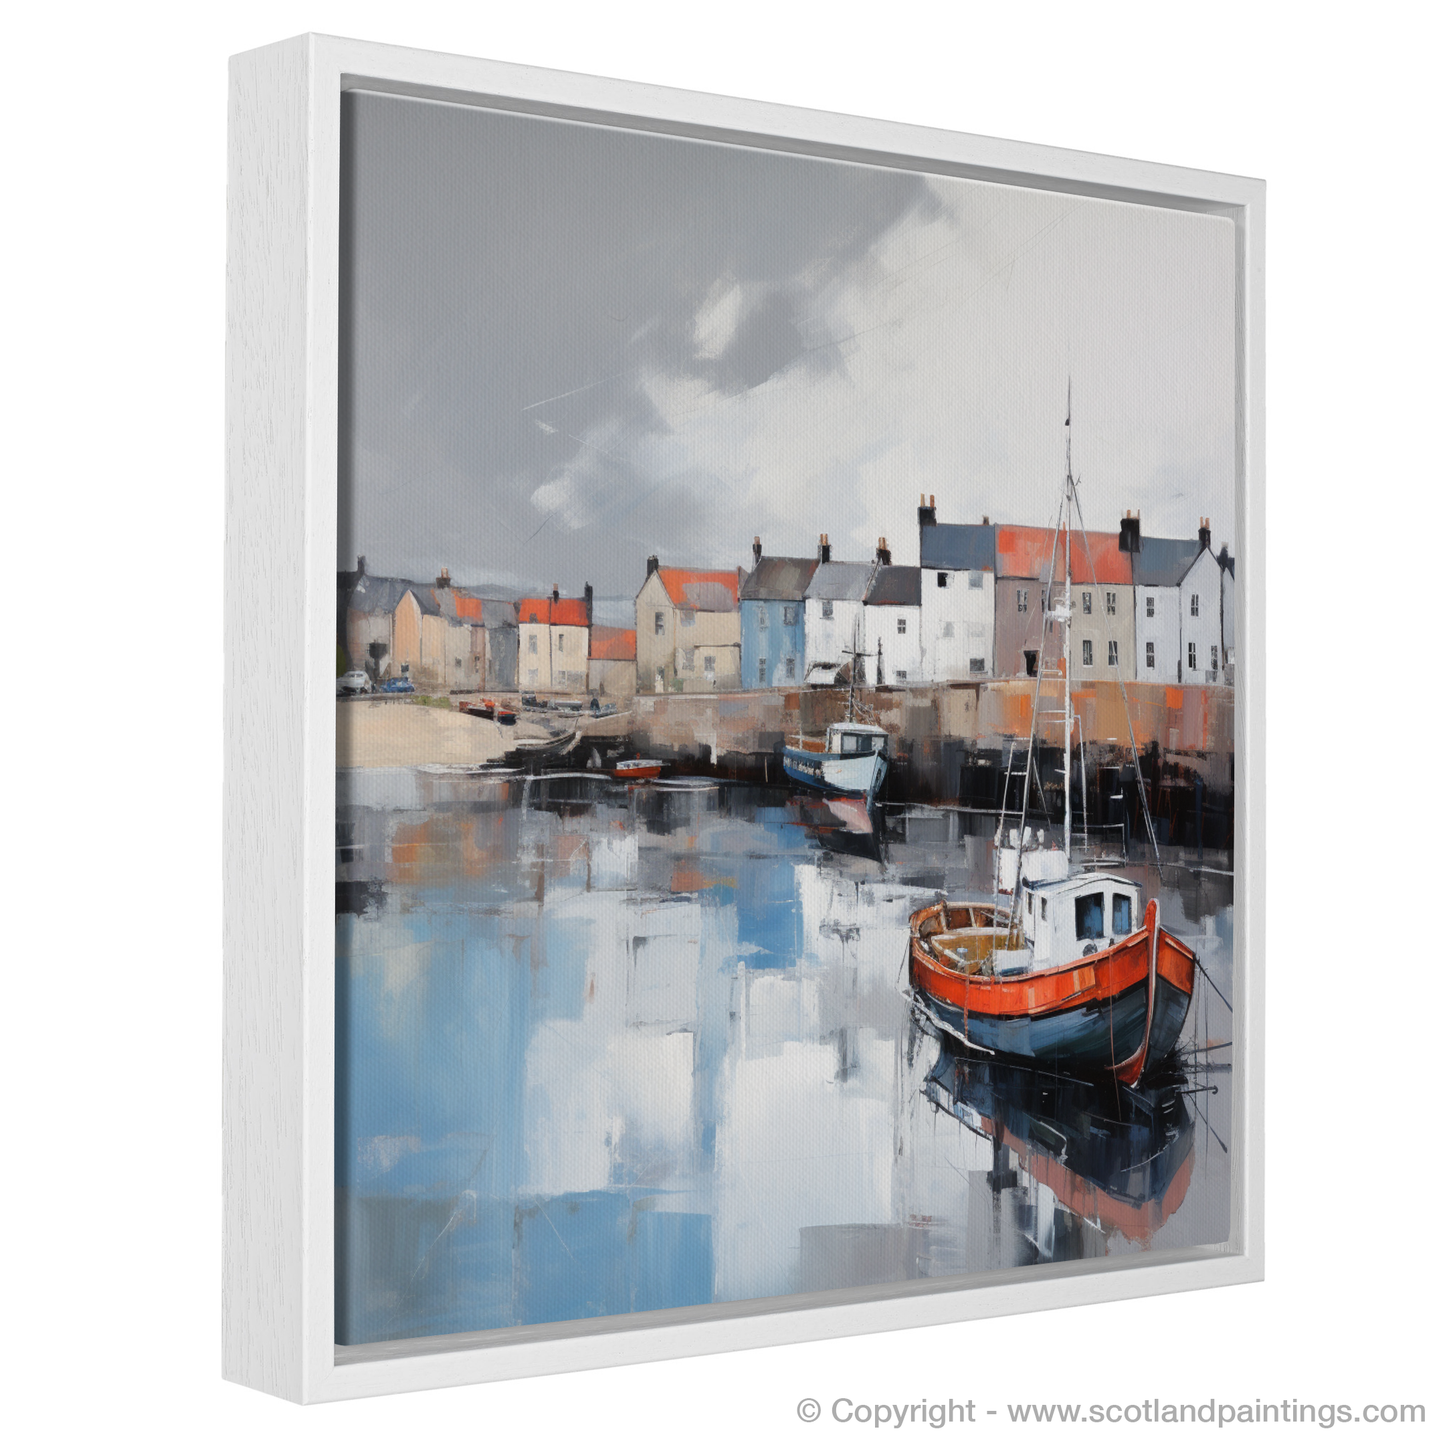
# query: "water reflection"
[[606, 1048]]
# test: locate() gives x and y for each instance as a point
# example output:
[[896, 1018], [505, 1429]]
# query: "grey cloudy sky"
[[565, 347]]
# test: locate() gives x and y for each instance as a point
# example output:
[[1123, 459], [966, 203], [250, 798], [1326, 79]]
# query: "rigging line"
[[1033, 728], [563, 395], [1134, 748]]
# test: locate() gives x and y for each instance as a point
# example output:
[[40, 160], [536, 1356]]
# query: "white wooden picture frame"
[[280, 751]]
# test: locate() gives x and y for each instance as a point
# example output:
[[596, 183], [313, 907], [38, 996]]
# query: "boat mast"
[[1068, 606]]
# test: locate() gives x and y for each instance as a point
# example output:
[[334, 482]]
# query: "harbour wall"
[[964, 745]]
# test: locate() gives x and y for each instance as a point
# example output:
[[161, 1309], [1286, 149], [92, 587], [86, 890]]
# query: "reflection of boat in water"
[[1068, 973], [1119, 1158], [840, 824]]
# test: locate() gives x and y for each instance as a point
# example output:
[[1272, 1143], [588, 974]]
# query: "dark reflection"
[[840, 825], [1115, 1157]]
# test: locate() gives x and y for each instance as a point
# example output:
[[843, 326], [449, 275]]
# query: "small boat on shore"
[[637, 769], [478, 707]]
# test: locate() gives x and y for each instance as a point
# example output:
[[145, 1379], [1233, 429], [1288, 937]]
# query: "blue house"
[[770, 603]]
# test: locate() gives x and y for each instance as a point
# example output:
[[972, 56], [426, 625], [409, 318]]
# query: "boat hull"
[[851, 775], [1118, 1011]]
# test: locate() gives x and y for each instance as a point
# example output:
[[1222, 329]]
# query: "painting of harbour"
[[785, 661]]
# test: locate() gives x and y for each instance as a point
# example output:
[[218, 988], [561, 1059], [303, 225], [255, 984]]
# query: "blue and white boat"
[[852, 760]]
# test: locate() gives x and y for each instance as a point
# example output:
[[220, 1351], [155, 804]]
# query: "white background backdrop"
[[111, 545]]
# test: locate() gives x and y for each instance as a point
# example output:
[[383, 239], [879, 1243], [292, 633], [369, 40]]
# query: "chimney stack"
[[587, 601], [555, 594], [985, 520], [927, 513], [1204, 534], [885, 557], [757, 550], [361, 566], [825, 552], [652, 564], [1129, 532], [444, 578]]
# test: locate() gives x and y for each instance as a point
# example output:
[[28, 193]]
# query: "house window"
[[943, 579], [900, 676], [1022, 599], [790, 617], [762, 619], [762, 669], [975, 581], [790, 668], [1193, 658], [947, 630], [689, 617], [1110, 601], [532, 643], [1088, 652], [1194, 605], [1113, 654], [688, 657], [709, 665], [1148, 607], [975, 664], [1031, 662], [902, 626], [1088, 601], [828, 611], [561, 638], [659, 624], [1043, 910], [1214, 659], [533, 617], [1148, 654]]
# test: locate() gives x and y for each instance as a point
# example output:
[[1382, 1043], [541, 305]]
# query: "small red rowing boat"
[[635, 769]]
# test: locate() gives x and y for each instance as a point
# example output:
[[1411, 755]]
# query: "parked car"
[[397, 684], [352, 682]]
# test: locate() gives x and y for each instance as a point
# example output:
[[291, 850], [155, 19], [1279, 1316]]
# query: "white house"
[[1159, 568], [833, 616], [892, 624], [1201, 625], [957, 597]]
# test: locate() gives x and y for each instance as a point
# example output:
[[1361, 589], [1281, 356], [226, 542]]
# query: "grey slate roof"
[[1163, 561], [379, 594], [896, 587], [841, 581], [778, 579], [957, 547]]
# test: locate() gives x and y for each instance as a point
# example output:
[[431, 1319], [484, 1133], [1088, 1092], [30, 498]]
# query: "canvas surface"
[[705, 619]]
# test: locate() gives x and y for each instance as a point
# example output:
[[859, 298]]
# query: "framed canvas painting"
[[744, 724]]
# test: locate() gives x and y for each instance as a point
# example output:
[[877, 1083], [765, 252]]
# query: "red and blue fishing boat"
[[1071, 973]]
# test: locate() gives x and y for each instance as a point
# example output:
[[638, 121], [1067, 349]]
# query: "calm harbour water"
[[606, 1049]]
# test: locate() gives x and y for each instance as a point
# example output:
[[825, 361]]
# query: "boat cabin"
[[855, 740], [1070, 917]]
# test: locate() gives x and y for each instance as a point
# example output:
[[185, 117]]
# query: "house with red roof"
[[450, 638], [689, 636], [612, 662], [553, 642]]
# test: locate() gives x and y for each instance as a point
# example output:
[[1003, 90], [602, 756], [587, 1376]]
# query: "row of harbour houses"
[[452, 639], [978, 605]]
